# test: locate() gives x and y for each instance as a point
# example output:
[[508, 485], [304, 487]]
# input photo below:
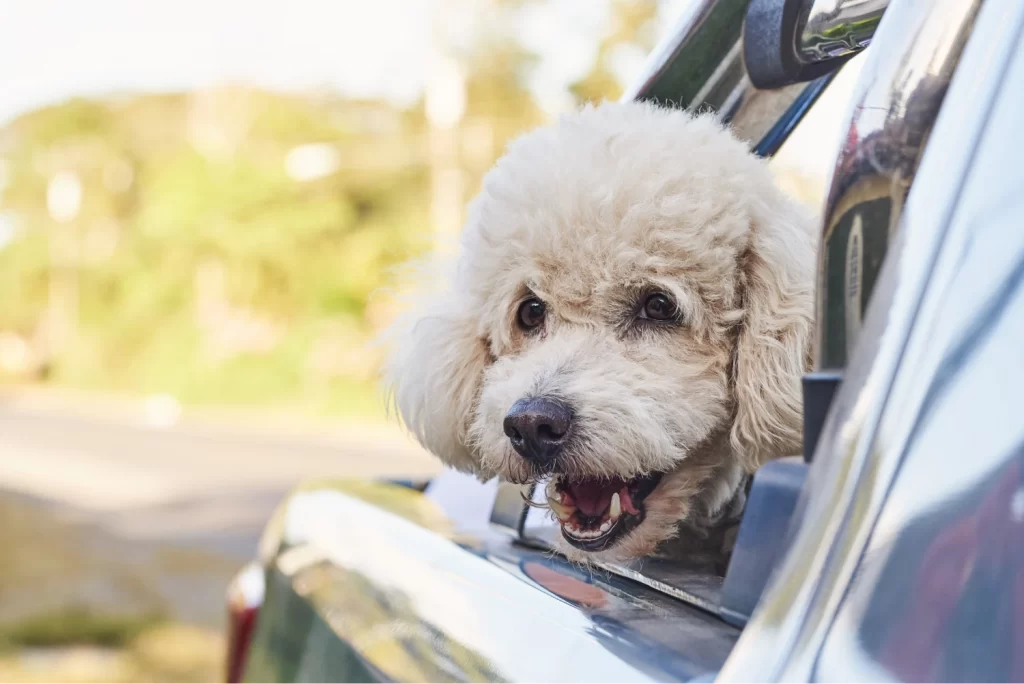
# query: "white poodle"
[[630, 313]]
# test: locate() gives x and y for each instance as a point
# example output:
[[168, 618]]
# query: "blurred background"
[[201, 204]]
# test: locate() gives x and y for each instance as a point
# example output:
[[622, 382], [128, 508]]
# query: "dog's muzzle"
[[594, 513]]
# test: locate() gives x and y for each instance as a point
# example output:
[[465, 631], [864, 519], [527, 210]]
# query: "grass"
[[279, 379], [77, 644], [79, 606], [163, 652], [75, 626]]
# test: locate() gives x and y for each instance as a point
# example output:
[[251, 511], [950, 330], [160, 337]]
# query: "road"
[[116, 510]]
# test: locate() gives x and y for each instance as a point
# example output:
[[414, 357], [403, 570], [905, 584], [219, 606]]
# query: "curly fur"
[[588, 214]]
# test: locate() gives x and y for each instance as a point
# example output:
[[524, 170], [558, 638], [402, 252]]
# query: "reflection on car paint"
[[893, 115], [392, 583]]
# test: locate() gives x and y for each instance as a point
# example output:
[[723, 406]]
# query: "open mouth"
[[595, 512]]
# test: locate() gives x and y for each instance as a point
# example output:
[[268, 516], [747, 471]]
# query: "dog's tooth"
[[606, 525], [552, 491], [615, 510]]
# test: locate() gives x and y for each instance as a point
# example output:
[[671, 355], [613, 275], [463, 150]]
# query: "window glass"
[[803, 165]]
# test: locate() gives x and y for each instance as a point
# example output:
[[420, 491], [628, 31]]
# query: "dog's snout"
[[538, 428]]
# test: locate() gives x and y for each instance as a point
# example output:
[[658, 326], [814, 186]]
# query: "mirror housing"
[[793, 41]]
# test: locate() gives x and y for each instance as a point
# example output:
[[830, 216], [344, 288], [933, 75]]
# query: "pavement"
[[135, 507]]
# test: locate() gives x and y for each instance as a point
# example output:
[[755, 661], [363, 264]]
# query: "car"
[[891, 549]]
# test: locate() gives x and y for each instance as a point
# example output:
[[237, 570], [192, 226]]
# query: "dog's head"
[[630, 313]]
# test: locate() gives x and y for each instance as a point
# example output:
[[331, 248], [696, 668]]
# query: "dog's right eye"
[[531, 313], [659, 307]]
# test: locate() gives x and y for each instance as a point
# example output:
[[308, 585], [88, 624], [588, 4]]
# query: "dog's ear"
[[436, 359], [774, 344]]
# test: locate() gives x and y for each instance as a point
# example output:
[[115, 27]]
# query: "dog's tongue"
[[592, 497]]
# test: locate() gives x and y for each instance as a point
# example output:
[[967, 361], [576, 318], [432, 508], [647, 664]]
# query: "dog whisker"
[[529, 502]]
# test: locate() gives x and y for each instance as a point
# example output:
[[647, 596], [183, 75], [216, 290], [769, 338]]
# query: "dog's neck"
[[708, 534], [708, 542]]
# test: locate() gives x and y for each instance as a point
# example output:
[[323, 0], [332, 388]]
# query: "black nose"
[[538, 428]]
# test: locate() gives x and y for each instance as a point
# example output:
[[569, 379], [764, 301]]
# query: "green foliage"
[[199, 265], [632, 24], [75, 625], [212, 189]]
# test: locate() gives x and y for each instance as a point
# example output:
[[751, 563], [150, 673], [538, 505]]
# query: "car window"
[[803, 164]]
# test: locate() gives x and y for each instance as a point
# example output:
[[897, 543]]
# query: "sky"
[[51, 50], [54, 49]]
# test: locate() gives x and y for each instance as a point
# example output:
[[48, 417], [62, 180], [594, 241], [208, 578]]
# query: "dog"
[[629, 315]]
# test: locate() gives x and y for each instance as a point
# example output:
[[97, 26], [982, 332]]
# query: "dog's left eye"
[[659, 307], [530, 314]]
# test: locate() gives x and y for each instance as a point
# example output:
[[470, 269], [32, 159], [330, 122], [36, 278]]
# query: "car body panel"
[[394, 589], [863, 453], [938, 592]]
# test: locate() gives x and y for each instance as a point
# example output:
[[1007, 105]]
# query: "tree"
[[631, 28]]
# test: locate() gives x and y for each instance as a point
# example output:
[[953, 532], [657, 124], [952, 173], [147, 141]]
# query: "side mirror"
[[793, 41]]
